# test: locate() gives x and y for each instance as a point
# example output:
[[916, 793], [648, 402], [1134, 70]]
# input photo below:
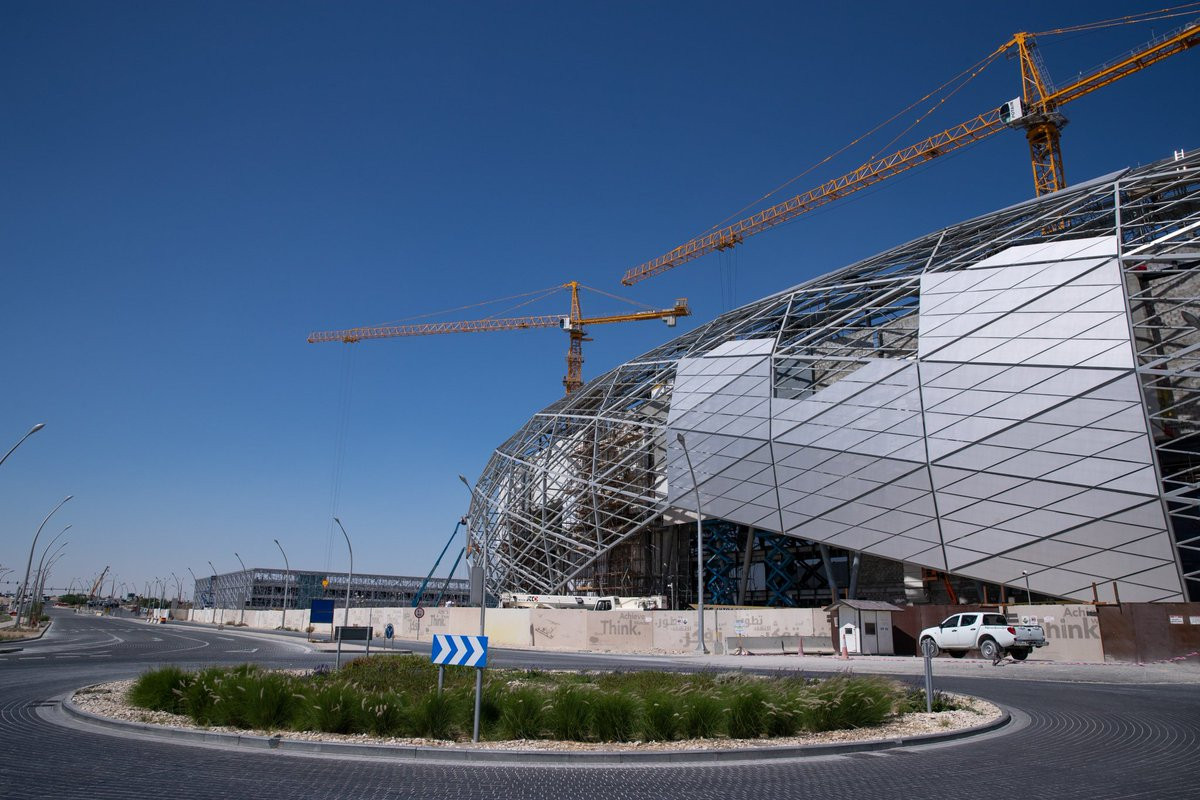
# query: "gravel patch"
[[108, 700]]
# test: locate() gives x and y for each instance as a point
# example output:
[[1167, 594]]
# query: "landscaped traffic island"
[[395, 698]]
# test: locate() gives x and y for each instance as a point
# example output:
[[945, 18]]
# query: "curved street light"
[[286, 580], [699, 545], [350, 576], [32, 431], [46, 550], [40, 583], [212, 587], [245, 594], [33, 546]]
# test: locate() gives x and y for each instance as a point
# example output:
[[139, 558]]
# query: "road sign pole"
[[441, 677], [927, 650], [478, 694], [339, 652]]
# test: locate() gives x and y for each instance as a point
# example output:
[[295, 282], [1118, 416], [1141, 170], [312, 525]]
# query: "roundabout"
[[1115, 736]]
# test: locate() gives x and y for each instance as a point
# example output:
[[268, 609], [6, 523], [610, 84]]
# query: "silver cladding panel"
[[1015, 442]]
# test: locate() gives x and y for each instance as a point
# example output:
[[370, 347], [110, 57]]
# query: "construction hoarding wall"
[[559, 629], [1131, 632]]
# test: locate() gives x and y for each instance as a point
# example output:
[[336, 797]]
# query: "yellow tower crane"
[[573, 323], [1036, 111]]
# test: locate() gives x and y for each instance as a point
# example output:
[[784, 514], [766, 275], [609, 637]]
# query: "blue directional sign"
[[389, 631], [322, 611], [459, 651]]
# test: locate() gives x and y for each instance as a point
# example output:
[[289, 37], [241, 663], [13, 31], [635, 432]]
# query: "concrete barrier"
[[779, 645]]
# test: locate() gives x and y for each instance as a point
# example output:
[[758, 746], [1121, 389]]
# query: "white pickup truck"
[[990, 634]]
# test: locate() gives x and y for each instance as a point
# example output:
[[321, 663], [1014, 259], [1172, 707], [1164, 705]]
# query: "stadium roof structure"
[[1011, 396]]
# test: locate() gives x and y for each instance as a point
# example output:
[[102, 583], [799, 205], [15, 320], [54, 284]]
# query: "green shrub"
[[614, 716], [913, 701], [703, 714], [523, 714], [661, 716], [160, 690], [432, 716], [570, 714], [747, 713]]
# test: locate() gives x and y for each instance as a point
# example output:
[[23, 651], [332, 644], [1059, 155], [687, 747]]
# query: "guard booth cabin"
[[864, 626]]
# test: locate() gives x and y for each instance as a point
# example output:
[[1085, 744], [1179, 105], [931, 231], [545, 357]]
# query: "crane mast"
[[1036, 110], [96, 585]]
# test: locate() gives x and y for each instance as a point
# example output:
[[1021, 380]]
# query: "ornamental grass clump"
[[522, 714], [784, 714], [747, 712], [661, 718], [268, 700], [703, 715], [385, 713], [160, 690], [432, 716], [614, 716], [847, 702], [569, 717], [333, 708]]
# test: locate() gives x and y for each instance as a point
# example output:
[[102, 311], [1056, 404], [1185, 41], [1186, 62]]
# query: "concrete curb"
[[532, 757], [7, 642]]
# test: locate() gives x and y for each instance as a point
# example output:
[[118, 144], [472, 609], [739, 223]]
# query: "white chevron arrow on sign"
[[460, 650], [478, 651]]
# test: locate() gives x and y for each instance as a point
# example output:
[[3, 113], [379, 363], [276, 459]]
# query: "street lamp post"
[[482, 607], [42, 560], [32, 431], [349, 576], [349, 580], [699, 544], [245, 594], [40, 583], [178, 589], [33, 546], [1028, 596], [212, 585], [194, 582], [286, 580]]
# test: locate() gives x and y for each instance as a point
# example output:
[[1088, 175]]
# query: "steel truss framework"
[[590, 470], [260, 588]]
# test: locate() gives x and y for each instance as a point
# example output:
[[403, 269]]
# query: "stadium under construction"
[[1007, 403]]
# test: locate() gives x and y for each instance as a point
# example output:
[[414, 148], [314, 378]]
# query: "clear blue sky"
[[190, 188]]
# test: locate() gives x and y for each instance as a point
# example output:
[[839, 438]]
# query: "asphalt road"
[[1071, 740]]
